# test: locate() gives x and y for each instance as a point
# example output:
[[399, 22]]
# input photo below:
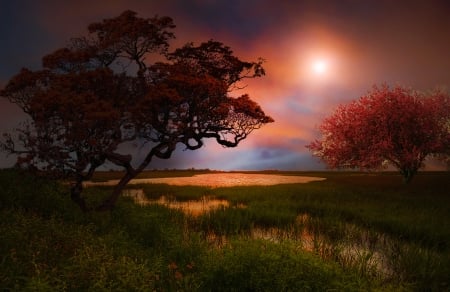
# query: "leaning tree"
[[396, 126], [120, 84]]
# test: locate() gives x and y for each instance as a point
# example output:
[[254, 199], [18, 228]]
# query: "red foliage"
[[389, 125], [101, 91]]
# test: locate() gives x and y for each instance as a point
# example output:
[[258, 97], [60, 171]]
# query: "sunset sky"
[[318, 54]]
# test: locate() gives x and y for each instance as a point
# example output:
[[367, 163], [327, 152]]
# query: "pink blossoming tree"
[[396, 126]]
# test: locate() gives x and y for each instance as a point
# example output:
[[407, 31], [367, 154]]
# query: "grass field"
[[351, 232]]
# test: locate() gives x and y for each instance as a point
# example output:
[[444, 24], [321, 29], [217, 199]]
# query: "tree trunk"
[[109, 202], [75, 195], [124, 161], [408, 174]]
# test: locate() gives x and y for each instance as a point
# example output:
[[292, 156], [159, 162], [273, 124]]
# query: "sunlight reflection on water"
[[190, 207], [355, 249], [219, 180]]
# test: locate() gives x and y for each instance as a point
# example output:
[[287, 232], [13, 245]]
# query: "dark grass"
[[48, 244], [419, 211]]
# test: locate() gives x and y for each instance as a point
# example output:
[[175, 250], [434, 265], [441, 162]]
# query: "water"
[[355, 247], [215, 180], [190, 207]]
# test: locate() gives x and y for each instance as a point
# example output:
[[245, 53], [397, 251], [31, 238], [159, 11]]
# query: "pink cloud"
[[363, 48]]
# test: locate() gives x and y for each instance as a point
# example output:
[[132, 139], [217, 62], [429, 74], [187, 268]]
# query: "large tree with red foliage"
[[121, 84], [396, 126]]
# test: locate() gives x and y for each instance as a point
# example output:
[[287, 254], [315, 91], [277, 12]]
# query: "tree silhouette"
[[397, 126], [121, 84]]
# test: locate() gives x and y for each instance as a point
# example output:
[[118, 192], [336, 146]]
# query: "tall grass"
[[356, 219], [353, 220]]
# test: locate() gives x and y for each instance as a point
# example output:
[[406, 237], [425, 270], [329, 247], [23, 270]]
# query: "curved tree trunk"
[[162, 150], [109, 203]]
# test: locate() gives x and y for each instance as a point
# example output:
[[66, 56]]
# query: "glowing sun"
[[319, 66]]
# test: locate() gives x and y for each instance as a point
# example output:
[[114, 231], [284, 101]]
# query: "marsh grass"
[[371, 224], [352, 232]]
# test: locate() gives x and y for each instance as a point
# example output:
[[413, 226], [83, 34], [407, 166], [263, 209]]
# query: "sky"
[[319, 54]]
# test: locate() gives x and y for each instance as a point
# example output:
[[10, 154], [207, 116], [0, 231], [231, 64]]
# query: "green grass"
[[47, 244]]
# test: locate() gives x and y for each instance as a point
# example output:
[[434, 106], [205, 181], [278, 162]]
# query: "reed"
[[352, 232]]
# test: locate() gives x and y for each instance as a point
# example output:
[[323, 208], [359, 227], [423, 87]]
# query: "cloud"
[[366, 42]]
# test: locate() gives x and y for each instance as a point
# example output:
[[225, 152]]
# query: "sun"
[[319, 66]]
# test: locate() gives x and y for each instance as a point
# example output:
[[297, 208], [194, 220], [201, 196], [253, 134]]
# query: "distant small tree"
[[103, 90], [396, 126]]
